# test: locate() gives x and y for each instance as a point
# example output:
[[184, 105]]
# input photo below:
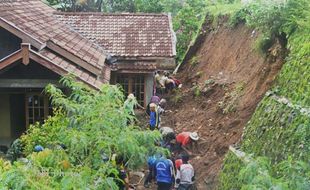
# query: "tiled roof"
[[36, 21], [68, 67], [136, 66], [125, 34]]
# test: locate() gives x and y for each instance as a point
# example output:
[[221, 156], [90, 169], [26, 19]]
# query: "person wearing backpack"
[[164, 174]]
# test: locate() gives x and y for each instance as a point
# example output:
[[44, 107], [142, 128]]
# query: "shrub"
[[92, 125]]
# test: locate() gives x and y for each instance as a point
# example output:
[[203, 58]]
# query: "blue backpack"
[[163, 171]]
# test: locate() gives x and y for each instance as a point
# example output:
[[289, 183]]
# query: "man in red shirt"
[[187, 139]]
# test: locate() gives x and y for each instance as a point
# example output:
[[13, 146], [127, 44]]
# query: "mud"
[[220, 92], [219, 111]]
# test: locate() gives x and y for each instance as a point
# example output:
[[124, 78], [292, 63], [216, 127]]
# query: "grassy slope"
[[279, 131]]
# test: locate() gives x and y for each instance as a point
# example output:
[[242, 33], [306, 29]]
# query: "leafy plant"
[[92, 125], [231, 100], [177, 96], [194, 61]]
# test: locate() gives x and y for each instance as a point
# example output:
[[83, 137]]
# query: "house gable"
[[55, 43], [33, 70], [8, 43]]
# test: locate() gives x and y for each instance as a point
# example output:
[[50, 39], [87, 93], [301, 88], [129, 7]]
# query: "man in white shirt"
[[185, 175]]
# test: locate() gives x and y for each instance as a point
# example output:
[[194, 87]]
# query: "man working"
[[151, 162], [154, 116], [185, 175], [168, 135], [160, 82], [164, 174], [155, 100], [185, 140]]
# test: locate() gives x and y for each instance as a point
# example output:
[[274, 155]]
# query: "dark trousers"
[[163, 186], [186, 187], [159, 92], [149, 177]]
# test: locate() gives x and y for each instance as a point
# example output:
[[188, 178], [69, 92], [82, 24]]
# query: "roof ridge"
[[111, 14]]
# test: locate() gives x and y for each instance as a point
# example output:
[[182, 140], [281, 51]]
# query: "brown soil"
[[241, 77], [220, 110]]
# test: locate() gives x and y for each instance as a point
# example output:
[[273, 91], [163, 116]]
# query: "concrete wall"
[[5, 120], [149, 86]]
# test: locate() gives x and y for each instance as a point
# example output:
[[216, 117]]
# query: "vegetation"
[[257, 174], [276, 136], [231, 100], [187, 23], [92, 125]]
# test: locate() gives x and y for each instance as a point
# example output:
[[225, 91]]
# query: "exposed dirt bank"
[[223, 83]]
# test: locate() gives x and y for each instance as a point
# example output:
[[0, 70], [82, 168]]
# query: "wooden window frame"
[[46, 107], [131, 83]]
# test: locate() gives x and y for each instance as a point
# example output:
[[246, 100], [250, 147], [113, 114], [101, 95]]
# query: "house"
[[39, 45], [138, 44]]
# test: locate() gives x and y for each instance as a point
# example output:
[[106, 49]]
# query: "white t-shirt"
[[185, 174]]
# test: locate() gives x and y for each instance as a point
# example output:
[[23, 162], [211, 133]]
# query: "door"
[[17, 114]]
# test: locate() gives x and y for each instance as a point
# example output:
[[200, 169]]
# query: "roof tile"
[[37, 19], [71, 68], [125, 34]]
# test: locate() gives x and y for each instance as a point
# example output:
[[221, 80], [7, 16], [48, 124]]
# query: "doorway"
[[17, 115]]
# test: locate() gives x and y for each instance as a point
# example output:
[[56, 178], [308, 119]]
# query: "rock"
[[206, 163]]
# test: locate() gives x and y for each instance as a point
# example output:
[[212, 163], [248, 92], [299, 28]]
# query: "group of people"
[[165, 82], [167, 173], [174, 171]]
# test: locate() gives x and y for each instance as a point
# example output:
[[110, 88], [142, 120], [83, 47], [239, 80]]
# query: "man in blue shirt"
[[164, 174], [151, 162], [154, 116]]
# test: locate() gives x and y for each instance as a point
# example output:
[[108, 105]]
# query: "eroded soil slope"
[[223, 83]]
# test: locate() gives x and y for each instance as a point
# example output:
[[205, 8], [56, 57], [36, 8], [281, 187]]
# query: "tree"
[[77, 5], [92, 125]]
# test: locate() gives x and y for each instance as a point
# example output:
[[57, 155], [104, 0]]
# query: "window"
[[138, 88], [132, 84], [38, 107]]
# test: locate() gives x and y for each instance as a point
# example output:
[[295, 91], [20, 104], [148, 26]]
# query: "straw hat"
[[194, 136], [152, 105]]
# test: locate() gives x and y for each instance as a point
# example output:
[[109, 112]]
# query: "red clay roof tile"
[[125, 34], [71, 68], [36, 19]]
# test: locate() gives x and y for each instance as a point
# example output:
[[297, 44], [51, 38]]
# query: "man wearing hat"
[[187, 139]]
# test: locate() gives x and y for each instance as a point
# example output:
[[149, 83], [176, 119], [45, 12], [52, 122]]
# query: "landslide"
[[224, 79]]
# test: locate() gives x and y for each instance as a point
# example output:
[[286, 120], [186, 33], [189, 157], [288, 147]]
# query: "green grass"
[[224, 9]]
